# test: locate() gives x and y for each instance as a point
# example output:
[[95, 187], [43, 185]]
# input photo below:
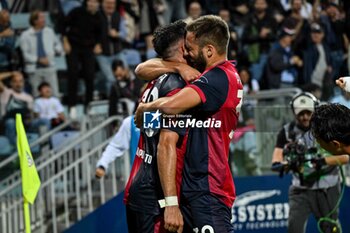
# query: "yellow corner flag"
[[30, 177]]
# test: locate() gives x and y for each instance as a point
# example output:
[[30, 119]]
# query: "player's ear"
[[337, 145], [210, 50]]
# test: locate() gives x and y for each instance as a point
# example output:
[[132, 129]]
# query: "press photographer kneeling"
[[315, 185]]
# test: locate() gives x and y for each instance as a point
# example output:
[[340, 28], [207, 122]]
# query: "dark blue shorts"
[[206, 214], [141, 222]]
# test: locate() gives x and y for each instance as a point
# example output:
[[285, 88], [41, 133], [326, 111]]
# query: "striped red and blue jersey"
[[143, 189], [206, 167]]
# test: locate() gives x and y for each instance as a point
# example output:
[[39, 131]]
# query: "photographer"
[[315, 186]]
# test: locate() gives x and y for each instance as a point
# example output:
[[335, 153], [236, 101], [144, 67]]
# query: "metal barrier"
[[270, 113], [75, 149], [67, 183], [97, 112], [43, 140], [64, 198]]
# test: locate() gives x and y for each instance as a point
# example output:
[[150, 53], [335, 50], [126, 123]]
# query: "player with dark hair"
[[208, 191], [157, 168], [330, 124]]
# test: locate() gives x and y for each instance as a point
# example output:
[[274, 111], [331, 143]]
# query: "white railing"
[[43, 139], [64, 198], [48, 164], [44, 154], [69, 189]]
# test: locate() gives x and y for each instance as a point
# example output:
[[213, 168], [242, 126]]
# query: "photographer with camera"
[[315, 185]]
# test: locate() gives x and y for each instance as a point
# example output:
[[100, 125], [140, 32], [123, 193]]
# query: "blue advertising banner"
[[261, 207], [108, 218]]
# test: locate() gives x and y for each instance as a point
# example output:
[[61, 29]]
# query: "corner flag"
[[30, 177]]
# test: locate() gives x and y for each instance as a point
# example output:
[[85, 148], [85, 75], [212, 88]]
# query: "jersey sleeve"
[[170, 84], [212, 87]]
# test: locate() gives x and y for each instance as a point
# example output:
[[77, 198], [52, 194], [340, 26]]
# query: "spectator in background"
[[305, 8], [317, 62], [150, 18], [240, 14], [14, 100], [47, 107], [276, 9], [343, 98], [250, 86], [125, 139], [175, 10], [194, 10], [130, 13], [112, 38], [233, 49], [334, 37], [68, 5], [127, 86], [7, 41], [39, 45], [296, 21], [81, 41], [282, 64], [313, 89], [3, 5], [257, 37]]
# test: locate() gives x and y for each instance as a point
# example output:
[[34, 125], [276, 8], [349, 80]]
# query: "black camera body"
[[297, 154], [300, 160]]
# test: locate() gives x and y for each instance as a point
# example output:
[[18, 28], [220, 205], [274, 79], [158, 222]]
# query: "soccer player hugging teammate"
[[159, 150], [207, 191]]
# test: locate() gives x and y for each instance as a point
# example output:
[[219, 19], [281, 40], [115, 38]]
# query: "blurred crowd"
[[276, 44]]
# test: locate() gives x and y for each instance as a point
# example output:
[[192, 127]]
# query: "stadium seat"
[[61, 139], [6, 148], [132, 56], [31, 138], [20, 21]]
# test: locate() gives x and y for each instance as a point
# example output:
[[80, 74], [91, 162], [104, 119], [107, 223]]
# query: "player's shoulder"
[[171, 78], [215, 72], [170, 81]]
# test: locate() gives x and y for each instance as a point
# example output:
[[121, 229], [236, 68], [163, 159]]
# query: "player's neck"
[[179, 59], [216, 61]]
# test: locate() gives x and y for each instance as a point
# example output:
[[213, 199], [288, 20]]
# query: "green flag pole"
[[26, 215]]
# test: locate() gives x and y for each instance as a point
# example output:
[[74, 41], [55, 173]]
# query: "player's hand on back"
[[188, 73], [139, 115]]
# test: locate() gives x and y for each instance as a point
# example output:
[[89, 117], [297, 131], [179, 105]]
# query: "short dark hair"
[[164, 38], [117, 63], [210, 29], [33, 17], [43, 84], [331, 122]]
